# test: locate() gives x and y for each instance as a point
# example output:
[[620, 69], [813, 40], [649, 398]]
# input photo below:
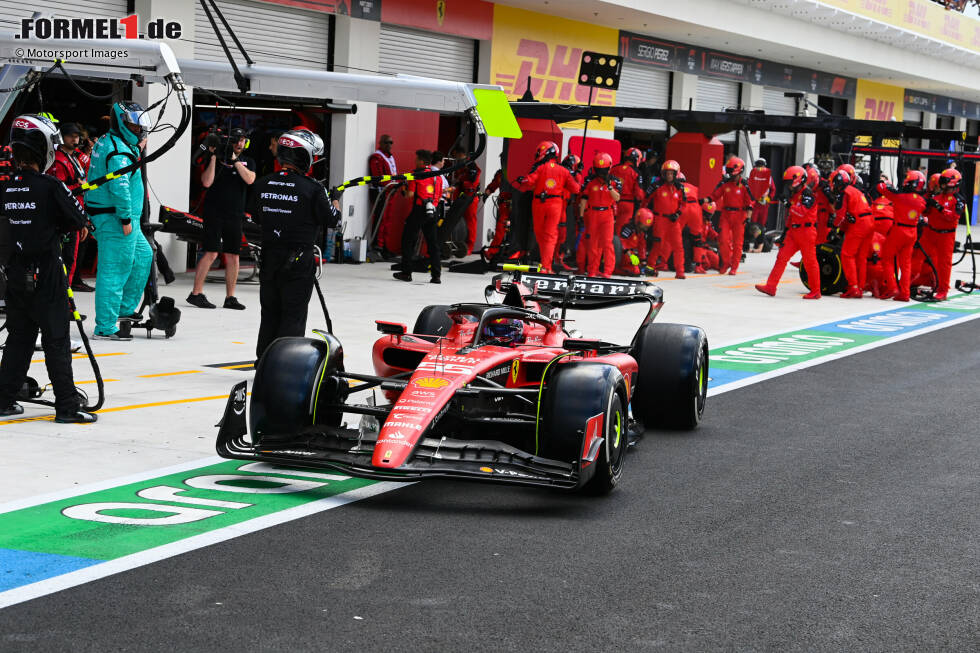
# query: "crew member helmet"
[[37, 134], [634, 155], [602, 161], [951, 179], [841, 179], [297, 147], [124, 117], [797, 177], [708, 206], [850, 170], [812, 178], [734, 167], [644, 218], [681, 176], [546, 150], [572, 162], [934, 180], [504, 329], [914, 181], [760, 163], [670, 164]]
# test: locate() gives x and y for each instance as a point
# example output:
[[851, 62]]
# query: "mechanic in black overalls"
[[38, 209], [292, 209]]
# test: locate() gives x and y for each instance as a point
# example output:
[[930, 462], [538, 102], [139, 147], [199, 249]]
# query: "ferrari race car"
[[495, 391]]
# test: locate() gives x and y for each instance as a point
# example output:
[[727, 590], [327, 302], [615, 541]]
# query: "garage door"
[[717, 95], [775, 103], [447, 57], [643, 86], [271, 34], [912, 117], [14, 11]]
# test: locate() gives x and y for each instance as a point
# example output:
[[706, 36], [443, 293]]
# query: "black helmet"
[[760, 163], [37, 134], [297, 148]]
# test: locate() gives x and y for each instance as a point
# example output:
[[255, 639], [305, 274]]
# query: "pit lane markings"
[[43, 563], [80, 356], [113, 409], [153, 376]]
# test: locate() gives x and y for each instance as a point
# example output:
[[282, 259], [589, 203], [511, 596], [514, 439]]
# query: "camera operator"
[[38, 208], [292, 208], [226, 177]]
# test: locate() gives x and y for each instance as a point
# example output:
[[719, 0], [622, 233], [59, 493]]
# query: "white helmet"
[[298, 147], [38, 134]]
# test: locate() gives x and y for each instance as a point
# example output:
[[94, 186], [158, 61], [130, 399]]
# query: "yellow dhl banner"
[[920, 17], [547, 49]]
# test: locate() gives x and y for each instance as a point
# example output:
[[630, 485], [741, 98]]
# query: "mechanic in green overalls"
[[115, 208]]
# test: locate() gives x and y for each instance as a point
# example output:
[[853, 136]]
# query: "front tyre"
[[612, 453]]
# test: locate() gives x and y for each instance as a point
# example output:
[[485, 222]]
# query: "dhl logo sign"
[[548, 50], [878, 109], [553, 72]]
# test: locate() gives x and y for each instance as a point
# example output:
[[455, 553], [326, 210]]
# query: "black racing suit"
[[291, 208], [38, 209]]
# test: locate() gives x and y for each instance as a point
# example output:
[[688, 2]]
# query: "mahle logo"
[[97, 28]]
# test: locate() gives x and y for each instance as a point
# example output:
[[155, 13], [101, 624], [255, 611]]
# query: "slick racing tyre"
[[671, 386], [433, 321], [295, 380], [832, 278], [582, 403]]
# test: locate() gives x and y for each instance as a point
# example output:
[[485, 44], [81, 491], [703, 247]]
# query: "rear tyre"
[[295, 379], [583, 402], [434, 320], [832, 279], [672, 382]]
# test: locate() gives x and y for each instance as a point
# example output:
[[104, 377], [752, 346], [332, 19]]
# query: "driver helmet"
[[506, 329], [38, 135]]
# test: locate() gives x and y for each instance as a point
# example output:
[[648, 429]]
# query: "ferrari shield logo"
[[711, 163], [440, 11], [514, 369]]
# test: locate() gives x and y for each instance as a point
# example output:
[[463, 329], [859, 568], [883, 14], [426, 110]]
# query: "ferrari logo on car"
[[514, 369], [430, 382]]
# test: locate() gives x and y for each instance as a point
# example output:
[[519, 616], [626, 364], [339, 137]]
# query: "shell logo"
[[712, 163], [430, 188], [430, 382], [913, 214], [550, 183]]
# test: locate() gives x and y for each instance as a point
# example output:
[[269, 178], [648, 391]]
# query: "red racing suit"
[[908, 208], [856, 220], [884, 215], [631, 196], [468, 183], [503, 214], [705, 258], [599, 223], [801, 236], [763, 190], [825, 209], [667, 203], [938, 239], [548, 183], [734, 200], [389, 231]]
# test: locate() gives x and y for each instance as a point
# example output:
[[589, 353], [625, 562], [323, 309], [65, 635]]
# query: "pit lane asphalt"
[[832, 508]]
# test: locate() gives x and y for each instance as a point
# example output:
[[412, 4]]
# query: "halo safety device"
[[39, 135]]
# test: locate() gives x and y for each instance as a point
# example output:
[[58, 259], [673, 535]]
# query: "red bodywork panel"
[[441, 370]]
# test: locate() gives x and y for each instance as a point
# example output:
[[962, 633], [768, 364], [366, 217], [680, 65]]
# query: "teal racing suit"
[[124, 260]]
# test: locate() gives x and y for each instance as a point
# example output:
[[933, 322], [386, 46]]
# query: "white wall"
[[352, 136], [168, 176]]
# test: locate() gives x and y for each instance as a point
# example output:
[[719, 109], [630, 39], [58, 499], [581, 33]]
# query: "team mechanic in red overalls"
[[763, 190], [503, 214], [569, 223], [856, 220], [598, 206], [468, 183], [734, 200], [704, 258], [633, 238], [826, 201], [939, 237], [801, 232], [909, 207], [547, 179], [666, 199], [632, 195]]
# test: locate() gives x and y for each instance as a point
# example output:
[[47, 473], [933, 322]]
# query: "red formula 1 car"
[[484, 391]]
